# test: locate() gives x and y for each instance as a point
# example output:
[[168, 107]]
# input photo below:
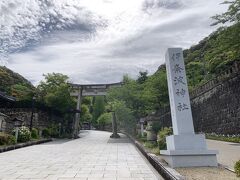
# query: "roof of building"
[[4, 96]]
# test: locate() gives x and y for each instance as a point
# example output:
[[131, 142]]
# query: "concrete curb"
[[226, 167], [165, 171], [21, 145]]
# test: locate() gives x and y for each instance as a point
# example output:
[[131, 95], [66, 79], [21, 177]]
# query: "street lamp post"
[[33, 103]]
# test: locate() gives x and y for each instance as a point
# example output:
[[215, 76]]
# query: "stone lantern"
[[151, 135], [17, 123], [142, 121]]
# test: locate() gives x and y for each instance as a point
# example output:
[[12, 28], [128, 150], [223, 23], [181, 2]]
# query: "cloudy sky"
[[97, 41]]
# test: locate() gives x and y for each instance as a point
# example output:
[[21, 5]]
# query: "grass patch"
[[227, 138], [237, 168], [152, 147]]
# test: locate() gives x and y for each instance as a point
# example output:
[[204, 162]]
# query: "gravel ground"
[[207, 173]]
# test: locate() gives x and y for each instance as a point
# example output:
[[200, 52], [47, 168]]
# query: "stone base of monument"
[[115, 135], [188, 150]]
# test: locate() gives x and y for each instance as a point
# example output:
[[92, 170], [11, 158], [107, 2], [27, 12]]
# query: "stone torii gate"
[[81, 90]]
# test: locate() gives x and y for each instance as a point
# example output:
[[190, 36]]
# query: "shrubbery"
[[50, 132], [24, 134], [237, 168], [156, 126], [150, 144], [142, 138], [105, 119], [7, 139], [228, 138], [34, 133], [46, 133], [54, 131], [152, 147], [162, 137]]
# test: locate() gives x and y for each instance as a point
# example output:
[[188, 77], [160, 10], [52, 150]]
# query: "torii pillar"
[[114, 126], [77, 115]]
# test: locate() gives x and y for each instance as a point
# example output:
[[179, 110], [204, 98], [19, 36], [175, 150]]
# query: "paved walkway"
[[229, 152], [92, 157]]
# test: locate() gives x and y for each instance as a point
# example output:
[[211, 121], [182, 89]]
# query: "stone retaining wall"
[[41, 119]]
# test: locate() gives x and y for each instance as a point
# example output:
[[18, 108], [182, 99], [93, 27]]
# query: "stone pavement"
[[92, 157], [229, 152]]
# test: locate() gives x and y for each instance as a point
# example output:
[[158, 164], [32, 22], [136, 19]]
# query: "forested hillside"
[[213, 54], [14, 84]]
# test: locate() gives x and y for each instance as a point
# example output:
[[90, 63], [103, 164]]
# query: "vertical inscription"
[[178, 92], [179, 81]]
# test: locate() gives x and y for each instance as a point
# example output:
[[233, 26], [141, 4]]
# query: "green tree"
[[54, 91], [22, 92], [13, 83], [212, 55], [104, 119], [142, 77], [155, 92], [85, 114], [124, 115], [98, 108], [131, 94], [231, 15], [87, 101]]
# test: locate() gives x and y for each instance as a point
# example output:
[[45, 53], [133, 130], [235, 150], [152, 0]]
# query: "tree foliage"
[[136, 98], [145, 97], [124, 115], [22, 92], [104, 119], [131, 94], [98, 108], [155, 92], [54, 91], [231, 15], [212, 55], [142, 77], [86, 116], [15, 85]]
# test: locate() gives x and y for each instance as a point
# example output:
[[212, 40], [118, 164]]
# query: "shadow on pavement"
[[234, 144], [122, 139], [57, 141]]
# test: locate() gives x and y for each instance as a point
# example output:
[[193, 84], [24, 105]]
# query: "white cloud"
[[96, 41]]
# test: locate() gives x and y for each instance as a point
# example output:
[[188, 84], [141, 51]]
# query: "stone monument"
[[184, 148]]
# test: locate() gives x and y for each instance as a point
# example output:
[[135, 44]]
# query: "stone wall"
[[41, 119], [215, 105]]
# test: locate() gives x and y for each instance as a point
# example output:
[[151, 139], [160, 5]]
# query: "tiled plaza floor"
[[94, 156]]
